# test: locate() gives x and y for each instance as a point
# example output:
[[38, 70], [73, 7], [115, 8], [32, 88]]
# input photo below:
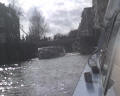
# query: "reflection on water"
[[11, 79], [26, 80], [52, 77]]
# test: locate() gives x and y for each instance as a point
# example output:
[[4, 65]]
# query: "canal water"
[[12, 80], [54, 77]]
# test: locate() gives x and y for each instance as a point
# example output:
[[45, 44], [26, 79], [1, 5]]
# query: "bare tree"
[[14, 4], [38, 27]]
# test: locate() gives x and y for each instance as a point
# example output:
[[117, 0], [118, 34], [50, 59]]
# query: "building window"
[[2, 22]]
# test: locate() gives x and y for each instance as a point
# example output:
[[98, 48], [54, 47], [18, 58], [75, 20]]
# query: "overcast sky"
[[61, 15]]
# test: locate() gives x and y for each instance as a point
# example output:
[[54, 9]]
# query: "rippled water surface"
[[11, 79], [54, 77]]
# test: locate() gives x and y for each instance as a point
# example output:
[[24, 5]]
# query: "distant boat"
[[50, 52]]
